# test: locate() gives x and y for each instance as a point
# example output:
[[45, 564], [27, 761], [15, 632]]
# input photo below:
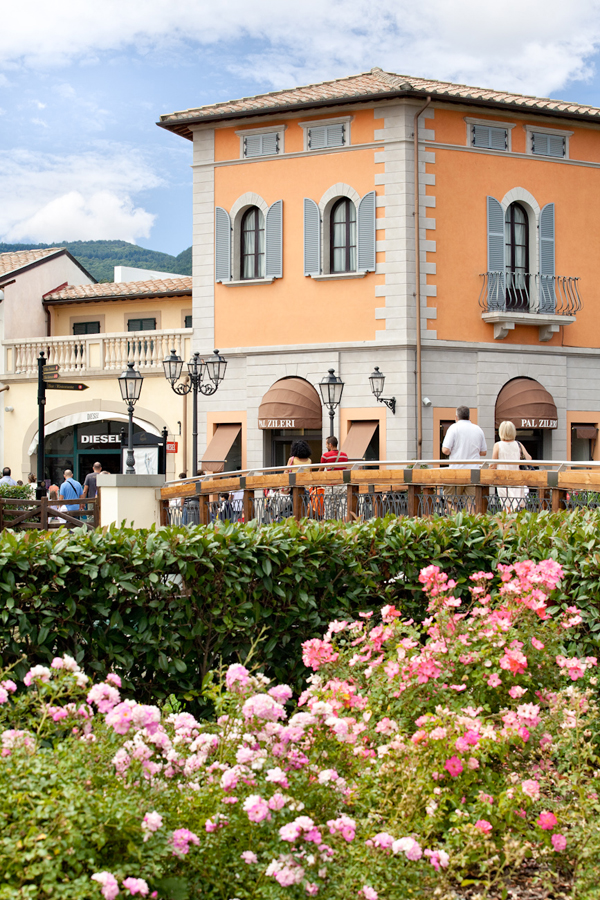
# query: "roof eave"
[[62, 251], [181, 126], [153, 295]]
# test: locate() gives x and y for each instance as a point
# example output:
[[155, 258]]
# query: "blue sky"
[[82, 85]]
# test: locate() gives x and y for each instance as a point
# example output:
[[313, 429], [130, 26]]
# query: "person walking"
[[510, 452], [332, 454], [334, 499], [464, 440], [70, 490], [299, 455], [6, 479], [90, 488]]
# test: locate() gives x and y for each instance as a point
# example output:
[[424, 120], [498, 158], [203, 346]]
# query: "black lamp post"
[[130, 382], [377, 380], [214, 369], [332, 388]]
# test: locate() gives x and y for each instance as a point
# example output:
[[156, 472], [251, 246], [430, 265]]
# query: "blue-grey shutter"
[[496, 263], [498, 138], [547, 144], [556, 145], [222, 245], [270, 143], [366, 233], [312, 238], [547, 259], [322, 136], [274, 241], [486, 136], [336, 135], [253, 145], [317, 138]]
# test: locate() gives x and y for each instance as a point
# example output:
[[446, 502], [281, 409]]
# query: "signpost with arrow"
[[47, 380]]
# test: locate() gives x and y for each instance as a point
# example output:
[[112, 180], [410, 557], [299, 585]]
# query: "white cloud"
[[86, 197], [534, 46]]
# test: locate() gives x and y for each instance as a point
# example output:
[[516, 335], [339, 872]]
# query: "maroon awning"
[[527, 404], [291, 403]]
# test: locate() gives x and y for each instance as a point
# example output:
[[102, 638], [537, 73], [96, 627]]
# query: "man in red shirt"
[[332, 454]]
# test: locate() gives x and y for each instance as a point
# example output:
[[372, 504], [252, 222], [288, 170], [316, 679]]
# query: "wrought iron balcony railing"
[[543, 295]]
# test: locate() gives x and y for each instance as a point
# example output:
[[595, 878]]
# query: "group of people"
[[466, 441]]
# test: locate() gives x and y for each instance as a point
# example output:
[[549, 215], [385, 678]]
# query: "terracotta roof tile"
[[12, 262], [367, 84], [151, 287]]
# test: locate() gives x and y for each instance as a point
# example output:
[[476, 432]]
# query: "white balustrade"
[[146, 349]]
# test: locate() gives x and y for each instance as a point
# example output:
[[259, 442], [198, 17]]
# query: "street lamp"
[[377, 380], [130, 383], [214, 368], [332, 388]]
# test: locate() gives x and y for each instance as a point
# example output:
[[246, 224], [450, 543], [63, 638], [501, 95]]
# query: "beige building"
[[51, 304]]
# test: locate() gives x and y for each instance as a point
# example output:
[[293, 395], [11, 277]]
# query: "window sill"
[[505, 321], [338, 276], [247, 281]]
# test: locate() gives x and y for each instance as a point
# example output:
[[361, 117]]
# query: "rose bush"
[[419, 757]]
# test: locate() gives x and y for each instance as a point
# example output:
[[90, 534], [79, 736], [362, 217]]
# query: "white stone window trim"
[[490, 123], [248, 132], [246, 281], [339, 276], [236, 214], [336, 120], [540, 129]]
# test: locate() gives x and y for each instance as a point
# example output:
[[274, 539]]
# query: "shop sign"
[[99, 438], [537, 423], [277, 423], [171, 446]]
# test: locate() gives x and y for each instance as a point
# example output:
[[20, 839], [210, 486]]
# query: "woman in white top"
[[509, 450]]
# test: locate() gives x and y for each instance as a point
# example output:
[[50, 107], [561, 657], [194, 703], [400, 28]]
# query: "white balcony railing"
[[97, 353]]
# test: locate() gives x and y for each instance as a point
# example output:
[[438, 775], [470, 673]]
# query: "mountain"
[[100, 257]]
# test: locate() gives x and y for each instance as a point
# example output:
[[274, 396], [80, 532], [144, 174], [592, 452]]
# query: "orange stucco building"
[[309, 242]]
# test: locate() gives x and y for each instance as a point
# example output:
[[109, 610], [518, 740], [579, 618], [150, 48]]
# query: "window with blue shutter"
[[274, 240], [495, 251], [548, 144], [490, 137], [312, 238], [187, 322], [320, 137], [261, 144], [547, 294], [366, 233], [222, 245]]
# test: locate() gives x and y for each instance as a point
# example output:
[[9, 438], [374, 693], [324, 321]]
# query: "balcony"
[[545, 301], [96, 354]]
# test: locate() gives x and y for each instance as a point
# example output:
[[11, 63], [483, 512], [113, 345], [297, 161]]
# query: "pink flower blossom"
[[104, 696], [344, 825], [264, 707], [151, 822], [383, 840], [136, 886], [312, 889], [249, 857], [473, 763], [256, 808], [8, 685], [494, 680], [120, 718], [3, 695], [531, 788], [559, 842], [110, 885], [409, 846], [547, 820], [277, 801], [514, 661], [281, 693], [237, 678], [537, 644], [113, 679], [454, 766], [41, 673], [484, 826], [369, 892], [181, 839], [316, 653], [439, 859], [516, 692]]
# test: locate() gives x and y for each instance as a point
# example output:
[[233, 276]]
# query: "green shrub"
[[164, 607], [16, 491]]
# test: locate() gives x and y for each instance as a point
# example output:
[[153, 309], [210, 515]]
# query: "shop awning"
[[358, 438], [527, 404], [586, 432], [220, 445], [291, 403]]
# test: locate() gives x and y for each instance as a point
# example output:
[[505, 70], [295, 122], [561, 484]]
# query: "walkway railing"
[[46, 515], [97, 352], [366, 491]]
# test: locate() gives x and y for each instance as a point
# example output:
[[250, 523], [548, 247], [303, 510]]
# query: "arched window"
[[516, 242], [253, 244], [343, 236]]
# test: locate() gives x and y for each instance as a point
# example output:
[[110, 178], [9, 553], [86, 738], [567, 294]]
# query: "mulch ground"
[[527, 883]]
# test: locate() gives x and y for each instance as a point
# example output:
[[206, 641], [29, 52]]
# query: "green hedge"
[[164, 607]]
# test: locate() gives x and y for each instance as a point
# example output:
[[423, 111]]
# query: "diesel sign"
[[99, 438]]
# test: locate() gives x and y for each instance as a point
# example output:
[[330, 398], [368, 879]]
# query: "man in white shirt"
[[464, 440]]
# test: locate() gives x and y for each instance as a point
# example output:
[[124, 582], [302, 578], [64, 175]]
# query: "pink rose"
[[136, 886], [453, 766], [110, 885], [531, 788], [559, 842], [547, 820], [494, 680], [484, 826], [537, 644]]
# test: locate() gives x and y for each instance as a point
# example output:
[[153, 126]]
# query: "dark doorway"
[[533, 441], [110, 462], [281, 444]]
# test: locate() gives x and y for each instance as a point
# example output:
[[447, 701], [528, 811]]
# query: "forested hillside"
[[100, 257]]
